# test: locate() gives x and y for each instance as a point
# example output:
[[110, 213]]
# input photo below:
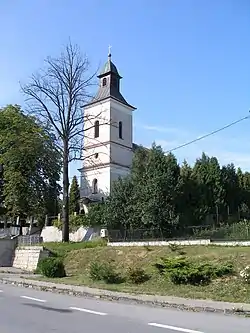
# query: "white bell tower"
[[108, 136]]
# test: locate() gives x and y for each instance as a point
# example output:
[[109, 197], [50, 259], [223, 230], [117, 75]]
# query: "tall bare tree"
[[58, 94]]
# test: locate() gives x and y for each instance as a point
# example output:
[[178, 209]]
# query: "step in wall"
[[27, 257]]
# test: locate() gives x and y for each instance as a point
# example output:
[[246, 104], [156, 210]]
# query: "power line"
[[200, 138], [209, 134]]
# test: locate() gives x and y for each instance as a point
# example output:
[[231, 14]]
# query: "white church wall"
[[100, 112], [92, 159], [123, 114], [121, 155], [103, 182], [108, 156]]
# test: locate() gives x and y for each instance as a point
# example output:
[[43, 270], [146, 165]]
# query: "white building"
[[108, 142]]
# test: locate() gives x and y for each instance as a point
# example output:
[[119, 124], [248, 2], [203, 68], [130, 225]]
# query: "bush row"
[[178, 269], [107, 273], [182, 271]]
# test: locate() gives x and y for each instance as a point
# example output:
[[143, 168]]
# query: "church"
[[108, 137]]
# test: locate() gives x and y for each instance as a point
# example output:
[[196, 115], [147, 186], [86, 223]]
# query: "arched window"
[[94, 186], [104, 82], [97, 129], [120, 130]]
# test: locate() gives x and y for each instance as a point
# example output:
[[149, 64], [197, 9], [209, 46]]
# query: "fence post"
[[5, 222], [46, 220]]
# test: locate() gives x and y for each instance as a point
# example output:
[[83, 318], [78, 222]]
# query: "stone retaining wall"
[[27, 257]]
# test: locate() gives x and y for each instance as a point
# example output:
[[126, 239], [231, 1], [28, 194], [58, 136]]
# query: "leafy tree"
[[74, 196], [160, 190], [58, 94], [31, 162], [188, 202], [231, 189], [147, 198], [121, 206], [207, 173]]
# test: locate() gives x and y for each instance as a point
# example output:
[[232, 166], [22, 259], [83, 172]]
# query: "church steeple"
[[109, 83]]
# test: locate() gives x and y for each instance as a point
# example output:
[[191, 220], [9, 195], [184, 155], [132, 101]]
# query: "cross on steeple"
[[109, 54]]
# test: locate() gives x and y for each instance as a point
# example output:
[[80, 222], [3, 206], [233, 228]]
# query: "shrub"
[[105, 272], [182, 271], [96, 271], [190, 275], [223, 270], [51, 267], [137, 275], [168, 264], [174, 247]]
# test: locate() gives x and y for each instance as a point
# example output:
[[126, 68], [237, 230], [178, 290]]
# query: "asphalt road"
[[25, 310]]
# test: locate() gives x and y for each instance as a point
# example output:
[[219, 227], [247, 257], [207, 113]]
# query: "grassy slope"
[[77, 261]]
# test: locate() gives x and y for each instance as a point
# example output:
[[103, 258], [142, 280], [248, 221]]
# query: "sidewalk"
[[29, 281]]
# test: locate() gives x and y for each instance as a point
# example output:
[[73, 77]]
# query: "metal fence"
[[29, 240], [131, 235], [236, 231]]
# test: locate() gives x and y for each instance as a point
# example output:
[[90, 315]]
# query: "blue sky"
[[185, 63]]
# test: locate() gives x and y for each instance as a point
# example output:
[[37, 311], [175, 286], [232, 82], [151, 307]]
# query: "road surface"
[[25, 310]]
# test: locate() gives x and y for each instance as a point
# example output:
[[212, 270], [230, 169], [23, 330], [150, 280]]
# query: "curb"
[[131, 299]]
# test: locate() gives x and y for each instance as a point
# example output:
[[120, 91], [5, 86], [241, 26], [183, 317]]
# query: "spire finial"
[[109, 54]]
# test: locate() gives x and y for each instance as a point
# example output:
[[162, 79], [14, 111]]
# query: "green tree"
[[146, 199], [121, 206], [31, 162], [231, 189], [188, 201], [207, 173], [74, 197]]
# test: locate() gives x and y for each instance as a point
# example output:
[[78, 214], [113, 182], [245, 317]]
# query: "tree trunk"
[[65, 208]]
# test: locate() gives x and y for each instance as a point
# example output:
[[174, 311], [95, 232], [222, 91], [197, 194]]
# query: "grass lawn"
[[78, 257]]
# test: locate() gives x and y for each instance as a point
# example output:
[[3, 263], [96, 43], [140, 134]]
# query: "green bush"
[[96, 271], [223, 270], [235, 231], [174, 247], [182, 271], [105, 272], [137, 275], [51, 267], [194, 275], [168, 264]]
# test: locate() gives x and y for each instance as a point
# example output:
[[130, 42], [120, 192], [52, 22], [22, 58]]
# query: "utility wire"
[[209, 134], [201, 137]]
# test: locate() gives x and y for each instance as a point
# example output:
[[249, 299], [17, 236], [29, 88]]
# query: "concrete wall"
[[53, 234], [182, 242], [27, 257], [7, 250], [162, 243]]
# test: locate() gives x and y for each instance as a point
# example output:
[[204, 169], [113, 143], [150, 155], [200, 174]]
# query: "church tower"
[[108, 136]]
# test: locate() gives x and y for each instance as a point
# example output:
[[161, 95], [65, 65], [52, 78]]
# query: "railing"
[[29, 240], [233, 232], [146, 235]]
